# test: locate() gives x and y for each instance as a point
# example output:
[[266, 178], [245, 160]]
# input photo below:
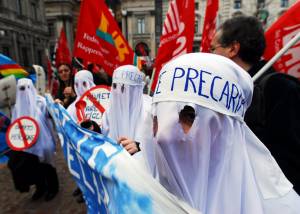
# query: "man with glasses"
[[274, 113]]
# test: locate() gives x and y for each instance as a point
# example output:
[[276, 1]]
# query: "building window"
[[260, 3], [39, 57], [5, 51], [34, 10], [141, 25], [196, 26], [19, 7], [25, 56], [237, 4], [284, 3], [51, 29], [142, 49], [196, 5]]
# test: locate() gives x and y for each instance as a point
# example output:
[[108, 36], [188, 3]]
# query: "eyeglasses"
[[213, 48]]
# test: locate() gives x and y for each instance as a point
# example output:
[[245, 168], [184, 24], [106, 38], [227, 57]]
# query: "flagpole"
[[151, 81], [276, 57]]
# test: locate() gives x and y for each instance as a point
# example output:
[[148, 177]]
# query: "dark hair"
[[88, 123], [66, 64], [248, 32], [187, 115]]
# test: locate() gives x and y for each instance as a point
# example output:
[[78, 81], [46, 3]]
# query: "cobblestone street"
[[13, 202]]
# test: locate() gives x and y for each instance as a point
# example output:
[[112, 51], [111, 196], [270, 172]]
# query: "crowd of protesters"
[[219, 158]]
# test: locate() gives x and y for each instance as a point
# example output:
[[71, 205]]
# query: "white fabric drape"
[[219, 166], [126, 105], [29, 103], [83, 81]]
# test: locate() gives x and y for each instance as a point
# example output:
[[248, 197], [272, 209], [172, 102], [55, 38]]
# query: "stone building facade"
[[140, 26], [61, 13], [23, 31]]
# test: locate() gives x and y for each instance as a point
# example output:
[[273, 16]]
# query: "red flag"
[[63, 54], [178, 34], [278, 35], [99, 39], [209, 27]]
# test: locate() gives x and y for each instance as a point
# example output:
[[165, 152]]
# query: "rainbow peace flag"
[[9, 67]]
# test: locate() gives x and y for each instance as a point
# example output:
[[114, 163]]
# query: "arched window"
[[142, 49]]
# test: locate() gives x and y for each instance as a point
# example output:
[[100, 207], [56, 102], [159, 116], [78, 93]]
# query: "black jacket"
[[280, 131]]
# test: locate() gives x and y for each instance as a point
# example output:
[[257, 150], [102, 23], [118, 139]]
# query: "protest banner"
[[111, 180], [22, 133], [177, 37], [8, 88], [96, 99], [99, 39], [40, 83]]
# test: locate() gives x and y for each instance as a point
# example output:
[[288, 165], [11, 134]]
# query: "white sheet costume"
[[83, 81], [219, 166], [29, 103], [127, 106]]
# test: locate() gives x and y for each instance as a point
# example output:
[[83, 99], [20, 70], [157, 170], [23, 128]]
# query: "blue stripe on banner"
[[88, 156], [110, 179]]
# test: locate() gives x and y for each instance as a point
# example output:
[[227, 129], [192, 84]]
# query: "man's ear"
[[234, 50]]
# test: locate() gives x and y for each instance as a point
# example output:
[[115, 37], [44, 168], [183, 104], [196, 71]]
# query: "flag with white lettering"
[[111, 180], [209, 26], [177, 36], [99, 39], [278, 35]]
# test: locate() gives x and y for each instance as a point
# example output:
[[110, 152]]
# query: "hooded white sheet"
[[219, 166], [29, 103], [126, 108], [83, 81]]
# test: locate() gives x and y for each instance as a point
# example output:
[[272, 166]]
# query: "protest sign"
[[22, 133], [96, 99]]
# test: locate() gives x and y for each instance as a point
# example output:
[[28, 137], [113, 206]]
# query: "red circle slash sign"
[[22, 133]]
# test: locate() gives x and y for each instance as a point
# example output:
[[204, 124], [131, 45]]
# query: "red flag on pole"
[[63, 54], [178, 34], [209, 27], [278, 35], [99, 39]]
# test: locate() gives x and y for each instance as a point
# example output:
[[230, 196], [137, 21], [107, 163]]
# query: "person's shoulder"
[[279, 79]]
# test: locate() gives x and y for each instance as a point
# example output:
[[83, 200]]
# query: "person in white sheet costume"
[[205, 153], [29, 103], [127, 108], [83, 81]]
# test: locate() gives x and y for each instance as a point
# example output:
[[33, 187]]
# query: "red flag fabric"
[[278, 35], [209, 26], [178, 34], [99, 39], [62, 54]]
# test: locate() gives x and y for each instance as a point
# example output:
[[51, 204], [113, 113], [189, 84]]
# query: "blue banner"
[[110, 179]]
